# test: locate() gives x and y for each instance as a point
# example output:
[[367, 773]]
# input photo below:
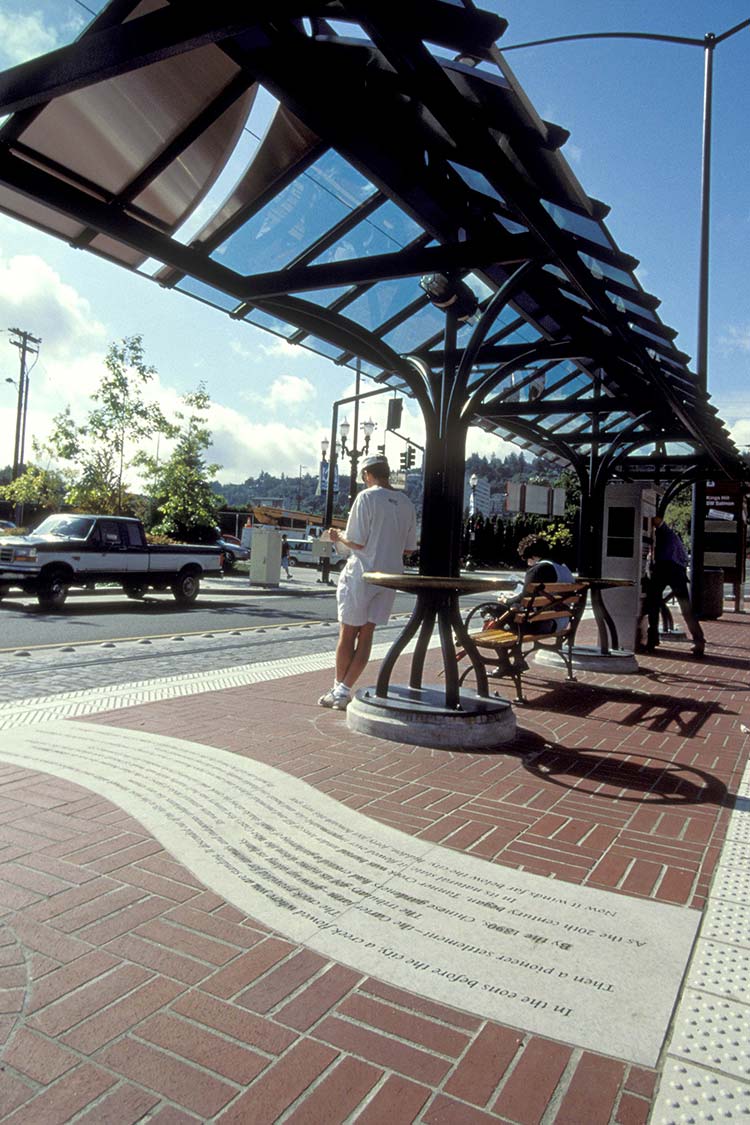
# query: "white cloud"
[[740, 433], [239, 349], [736, 339], [245, 448], [34, 297], [488, 445], [290, 390], [281, 347], [24, 36]]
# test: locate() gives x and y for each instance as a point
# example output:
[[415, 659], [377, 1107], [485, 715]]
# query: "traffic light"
[[411, 454], [395, 407], [404, 461]]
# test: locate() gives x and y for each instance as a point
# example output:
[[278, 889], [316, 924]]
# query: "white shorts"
[[360, 603]]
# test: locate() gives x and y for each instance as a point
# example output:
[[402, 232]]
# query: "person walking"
[[382, 525], [669, 569], [285, 556]]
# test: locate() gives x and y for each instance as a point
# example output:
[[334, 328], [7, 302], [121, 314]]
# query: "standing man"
[[669, 568], [382, 525], [285, 556]]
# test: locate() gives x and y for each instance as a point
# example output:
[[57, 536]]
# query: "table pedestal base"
[[419, 717], [589, 658]]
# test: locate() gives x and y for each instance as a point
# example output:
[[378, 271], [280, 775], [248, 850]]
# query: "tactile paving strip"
[[726, 920], [706, 1074], [722, 969], [74, 704], [690, 1094], [739, 830], [732, 883], [714, 1033]]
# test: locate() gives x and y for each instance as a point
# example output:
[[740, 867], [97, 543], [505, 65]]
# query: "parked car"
[[7, 525], [233, 550], [84, 550], [301, 554]]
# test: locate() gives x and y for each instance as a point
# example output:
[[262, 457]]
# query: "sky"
[[634, 112]]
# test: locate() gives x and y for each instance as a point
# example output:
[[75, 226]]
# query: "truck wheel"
[[185, 588], [53, 592]]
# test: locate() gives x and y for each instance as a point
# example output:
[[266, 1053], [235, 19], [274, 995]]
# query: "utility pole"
[[27, 345]]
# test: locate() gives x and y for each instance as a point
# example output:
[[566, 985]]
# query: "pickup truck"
[[81, 550]]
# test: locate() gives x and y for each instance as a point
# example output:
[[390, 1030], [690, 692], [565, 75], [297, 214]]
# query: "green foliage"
[[44, 488], [120, 417], [187, 506], [679, 516]]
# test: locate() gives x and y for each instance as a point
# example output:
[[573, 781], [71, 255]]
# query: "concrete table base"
[[419, 717], [591, 659]]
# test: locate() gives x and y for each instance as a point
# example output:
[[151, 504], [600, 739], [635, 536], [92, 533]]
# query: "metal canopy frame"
[[401, 145], [477, 177]]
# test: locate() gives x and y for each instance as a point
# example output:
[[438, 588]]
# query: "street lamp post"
[[708, 43], [473, 482], [325, 445], [299, 488]]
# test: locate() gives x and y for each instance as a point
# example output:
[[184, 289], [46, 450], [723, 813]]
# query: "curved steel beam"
[[507, 291], [540, 350]]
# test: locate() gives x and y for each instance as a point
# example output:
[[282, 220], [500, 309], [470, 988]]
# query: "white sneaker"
[[337, 701]]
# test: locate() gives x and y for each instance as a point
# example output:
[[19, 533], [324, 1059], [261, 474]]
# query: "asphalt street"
[[106, 614]]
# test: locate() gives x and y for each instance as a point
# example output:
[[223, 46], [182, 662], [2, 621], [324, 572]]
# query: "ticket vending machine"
[[265, 557], [628, 510]]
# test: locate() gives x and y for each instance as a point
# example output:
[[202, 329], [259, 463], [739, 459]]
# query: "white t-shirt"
[[384, 521]]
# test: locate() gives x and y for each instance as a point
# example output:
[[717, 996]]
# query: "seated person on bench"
[[535, 552]]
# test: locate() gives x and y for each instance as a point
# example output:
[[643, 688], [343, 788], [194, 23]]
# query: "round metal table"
[[437, 603]]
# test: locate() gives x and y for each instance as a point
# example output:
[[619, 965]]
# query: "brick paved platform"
[[129, 992]]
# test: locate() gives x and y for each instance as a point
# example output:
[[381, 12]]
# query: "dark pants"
[[674, 576]]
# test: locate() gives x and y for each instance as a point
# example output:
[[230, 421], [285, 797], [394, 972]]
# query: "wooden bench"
[[503, 648]]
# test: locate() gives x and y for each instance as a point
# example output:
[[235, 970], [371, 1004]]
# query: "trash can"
[[712, 602]]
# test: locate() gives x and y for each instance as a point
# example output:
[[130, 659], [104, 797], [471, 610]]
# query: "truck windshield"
[[70, 527]]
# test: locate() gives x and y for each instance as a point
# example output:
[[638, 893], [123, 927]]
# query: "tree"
[[187, 505], [43, 488], [120, 418]]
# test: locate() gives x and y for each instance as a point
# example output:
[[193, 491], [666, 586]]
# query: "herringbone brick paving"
[[129, 992]]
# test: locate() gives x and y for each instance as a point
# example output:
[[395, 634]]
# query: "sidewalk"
[[133, 990]]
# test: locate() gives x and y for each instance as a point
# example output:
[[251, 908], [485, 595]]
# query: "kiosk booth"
[[265, 557], [628, 510]]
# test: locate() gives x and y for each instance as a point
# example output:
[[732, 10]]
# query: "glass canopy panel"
[[324, 297], [661, 341], [336, 175], [271, 323], [295, 218], [322, 347], [384, 300], [207, 293], [511, 226], [384, 231], [577, 224], [603, 269], [417, 330], [574, 297], [630, 306], [476, 181]]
